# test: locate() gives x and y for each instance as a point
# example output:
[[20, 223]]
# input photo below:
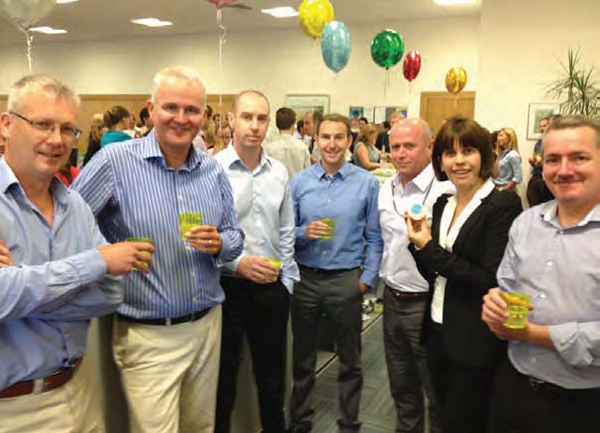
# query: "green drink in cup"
[[145, 240], [331, 224], [277, 264], [517, 309], [187, 221]]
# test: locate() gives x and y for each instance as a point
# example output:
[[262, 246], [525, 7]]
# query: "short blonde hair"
[[187, 75], [39, 83]]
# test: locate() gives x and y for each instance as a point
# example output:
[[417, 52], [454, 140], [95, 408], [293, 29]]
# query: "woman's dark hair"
[[468, 134], [115, 115]]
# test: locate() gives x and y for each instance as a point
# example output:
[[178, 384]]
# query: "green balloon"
[[387, 48]]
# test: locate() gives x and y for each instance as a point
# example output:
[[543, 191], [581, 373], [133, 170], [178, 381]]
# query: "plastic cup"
[[277, 264], [187, 221], [146, 240], [331, 224], [517, 309]]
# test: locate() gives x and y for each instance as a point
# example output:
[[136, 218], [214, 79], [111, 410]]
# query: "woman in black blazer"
[[459, 256]]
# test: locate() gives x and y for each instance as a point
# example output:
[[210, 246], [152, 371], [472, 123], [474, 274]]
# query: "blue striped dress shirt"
[[57, 285], [135, 194]]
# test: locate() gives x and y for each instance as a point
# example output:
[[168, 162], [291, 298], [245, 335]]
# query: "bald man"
[[406, 291]]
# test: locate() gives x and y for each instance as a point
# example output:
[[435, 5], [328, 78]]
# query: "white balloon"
[[25, 14]]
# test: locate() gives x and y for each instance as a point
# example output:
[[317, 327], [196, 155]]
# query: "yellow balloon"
[[314, 15], [456, 78]]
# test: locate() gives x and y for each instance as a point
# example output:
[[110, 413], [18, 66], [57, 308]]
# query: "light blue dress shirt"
[[135, 194], [349, 197], [265, 211], [559, 268], [510, 168], [58, 283]]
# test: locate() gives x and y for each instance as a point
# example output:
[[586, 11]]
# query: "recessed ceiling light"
[[66, 1], [282, 12], [48, 30], [454, 2], [152, 22]]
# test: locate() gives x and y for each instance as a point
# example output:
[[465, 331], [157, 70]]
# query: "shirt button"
[[180, 197], [561, 232], [549, 263], [194, 274], [195, 299], [542, 296]]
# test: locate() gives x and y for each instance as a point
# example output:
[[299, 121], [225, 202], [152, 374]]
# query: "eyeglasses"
[[47, 126]]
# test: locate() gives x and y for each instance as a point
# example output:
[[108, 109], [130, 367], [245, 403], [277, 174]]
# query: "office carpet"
[[377, 409]]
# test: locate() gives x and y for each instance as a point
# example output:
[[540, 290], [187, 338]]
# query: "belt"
[[408, 296], [168, 320], [543, 387], [327, 271], [43, 384]]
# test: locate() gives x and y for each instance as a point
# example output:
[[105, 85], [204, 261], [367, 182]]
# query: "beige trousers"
[[170, 373], [68, 409]]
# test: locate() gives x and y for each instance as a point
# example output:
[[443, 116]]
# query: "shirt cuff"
[[225, 249], [90, 266], [369, 278], [233, 265], [301, 235], [569, 345], [288, 283]]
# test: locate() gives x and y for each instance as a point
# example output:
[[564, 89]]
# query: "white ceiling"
[[110, 19]]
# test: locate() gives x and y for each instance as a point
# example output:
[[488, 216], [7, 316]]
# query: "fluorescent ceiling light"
[[48, 30], [152, 22], [454, 2], [66, 1], [282, 12]]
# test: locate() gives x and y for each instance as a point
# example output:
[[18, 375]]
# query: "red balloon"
[[412, 65], [220, 3]]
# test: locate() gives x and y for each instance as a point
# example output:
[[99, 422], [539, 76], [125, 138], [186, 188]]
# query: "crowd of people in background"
[[293, 226]]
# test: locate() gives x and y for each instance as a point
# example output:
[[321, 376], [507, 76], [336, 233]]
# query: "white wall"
[[519, 47], [278, 62]]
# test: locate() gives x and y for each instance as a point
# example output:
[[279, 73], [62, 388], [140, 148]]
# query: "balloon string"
[[222, 41], [386, 82], [29, 37], [410, 86]]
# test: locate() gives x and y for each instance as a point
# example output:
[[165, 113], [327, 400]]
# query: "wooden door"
[[436, 107]]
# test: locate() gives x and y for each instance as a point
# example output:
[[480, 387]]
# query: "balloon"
[[456, 78], [24, 14], [220, 3], [314, 15], [412, 65], [335, 45], [387, 48]]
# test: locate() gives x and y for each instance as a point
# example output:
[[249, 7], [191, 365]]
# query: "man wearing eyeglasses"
[[56, 271], [167, 333], [406, 291]]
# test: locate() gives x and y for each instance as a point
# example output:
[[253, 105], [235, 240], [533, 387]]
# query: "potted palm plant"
[[577, 89]]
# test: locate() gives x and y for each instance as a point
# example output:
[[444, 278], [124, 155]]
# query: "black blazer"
[[470, 271]]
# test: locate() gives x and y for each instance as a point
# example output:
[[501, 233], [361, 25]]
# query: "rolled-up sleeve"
[[578, 344]]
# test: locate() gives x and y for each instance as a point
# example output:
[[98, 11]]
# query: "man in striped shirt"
[[167, 332]]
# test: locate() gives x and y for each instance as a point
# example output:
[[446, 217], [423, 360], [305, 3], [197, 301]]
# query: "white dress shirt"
[[398, 268], [264, 210]]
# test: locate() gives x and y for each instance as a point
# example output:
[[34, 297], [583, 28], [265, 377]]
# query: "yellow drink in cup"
[[277, 264], [188, 221], [517, 309], [146, 240], [331, 224]]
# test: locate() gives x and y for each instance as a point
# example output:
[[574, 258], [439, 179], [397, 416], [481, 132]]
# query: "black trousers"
[[261, 312], [520, 405], [462, 391]]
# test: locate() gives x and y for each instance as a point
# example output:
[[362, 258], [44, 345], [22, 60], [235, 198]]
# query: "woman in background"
[[366, 155], [511, 173], [97, 128], [459, 257], [117, 121]]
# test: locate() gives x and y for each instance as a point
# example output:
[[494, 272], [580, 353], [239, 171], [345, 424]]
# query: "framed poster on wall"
[[537, 111], [303, 104]]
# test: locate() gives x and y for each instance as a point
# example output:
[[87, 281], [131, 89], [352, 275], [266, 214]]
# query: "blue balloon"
[[335, 45]]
